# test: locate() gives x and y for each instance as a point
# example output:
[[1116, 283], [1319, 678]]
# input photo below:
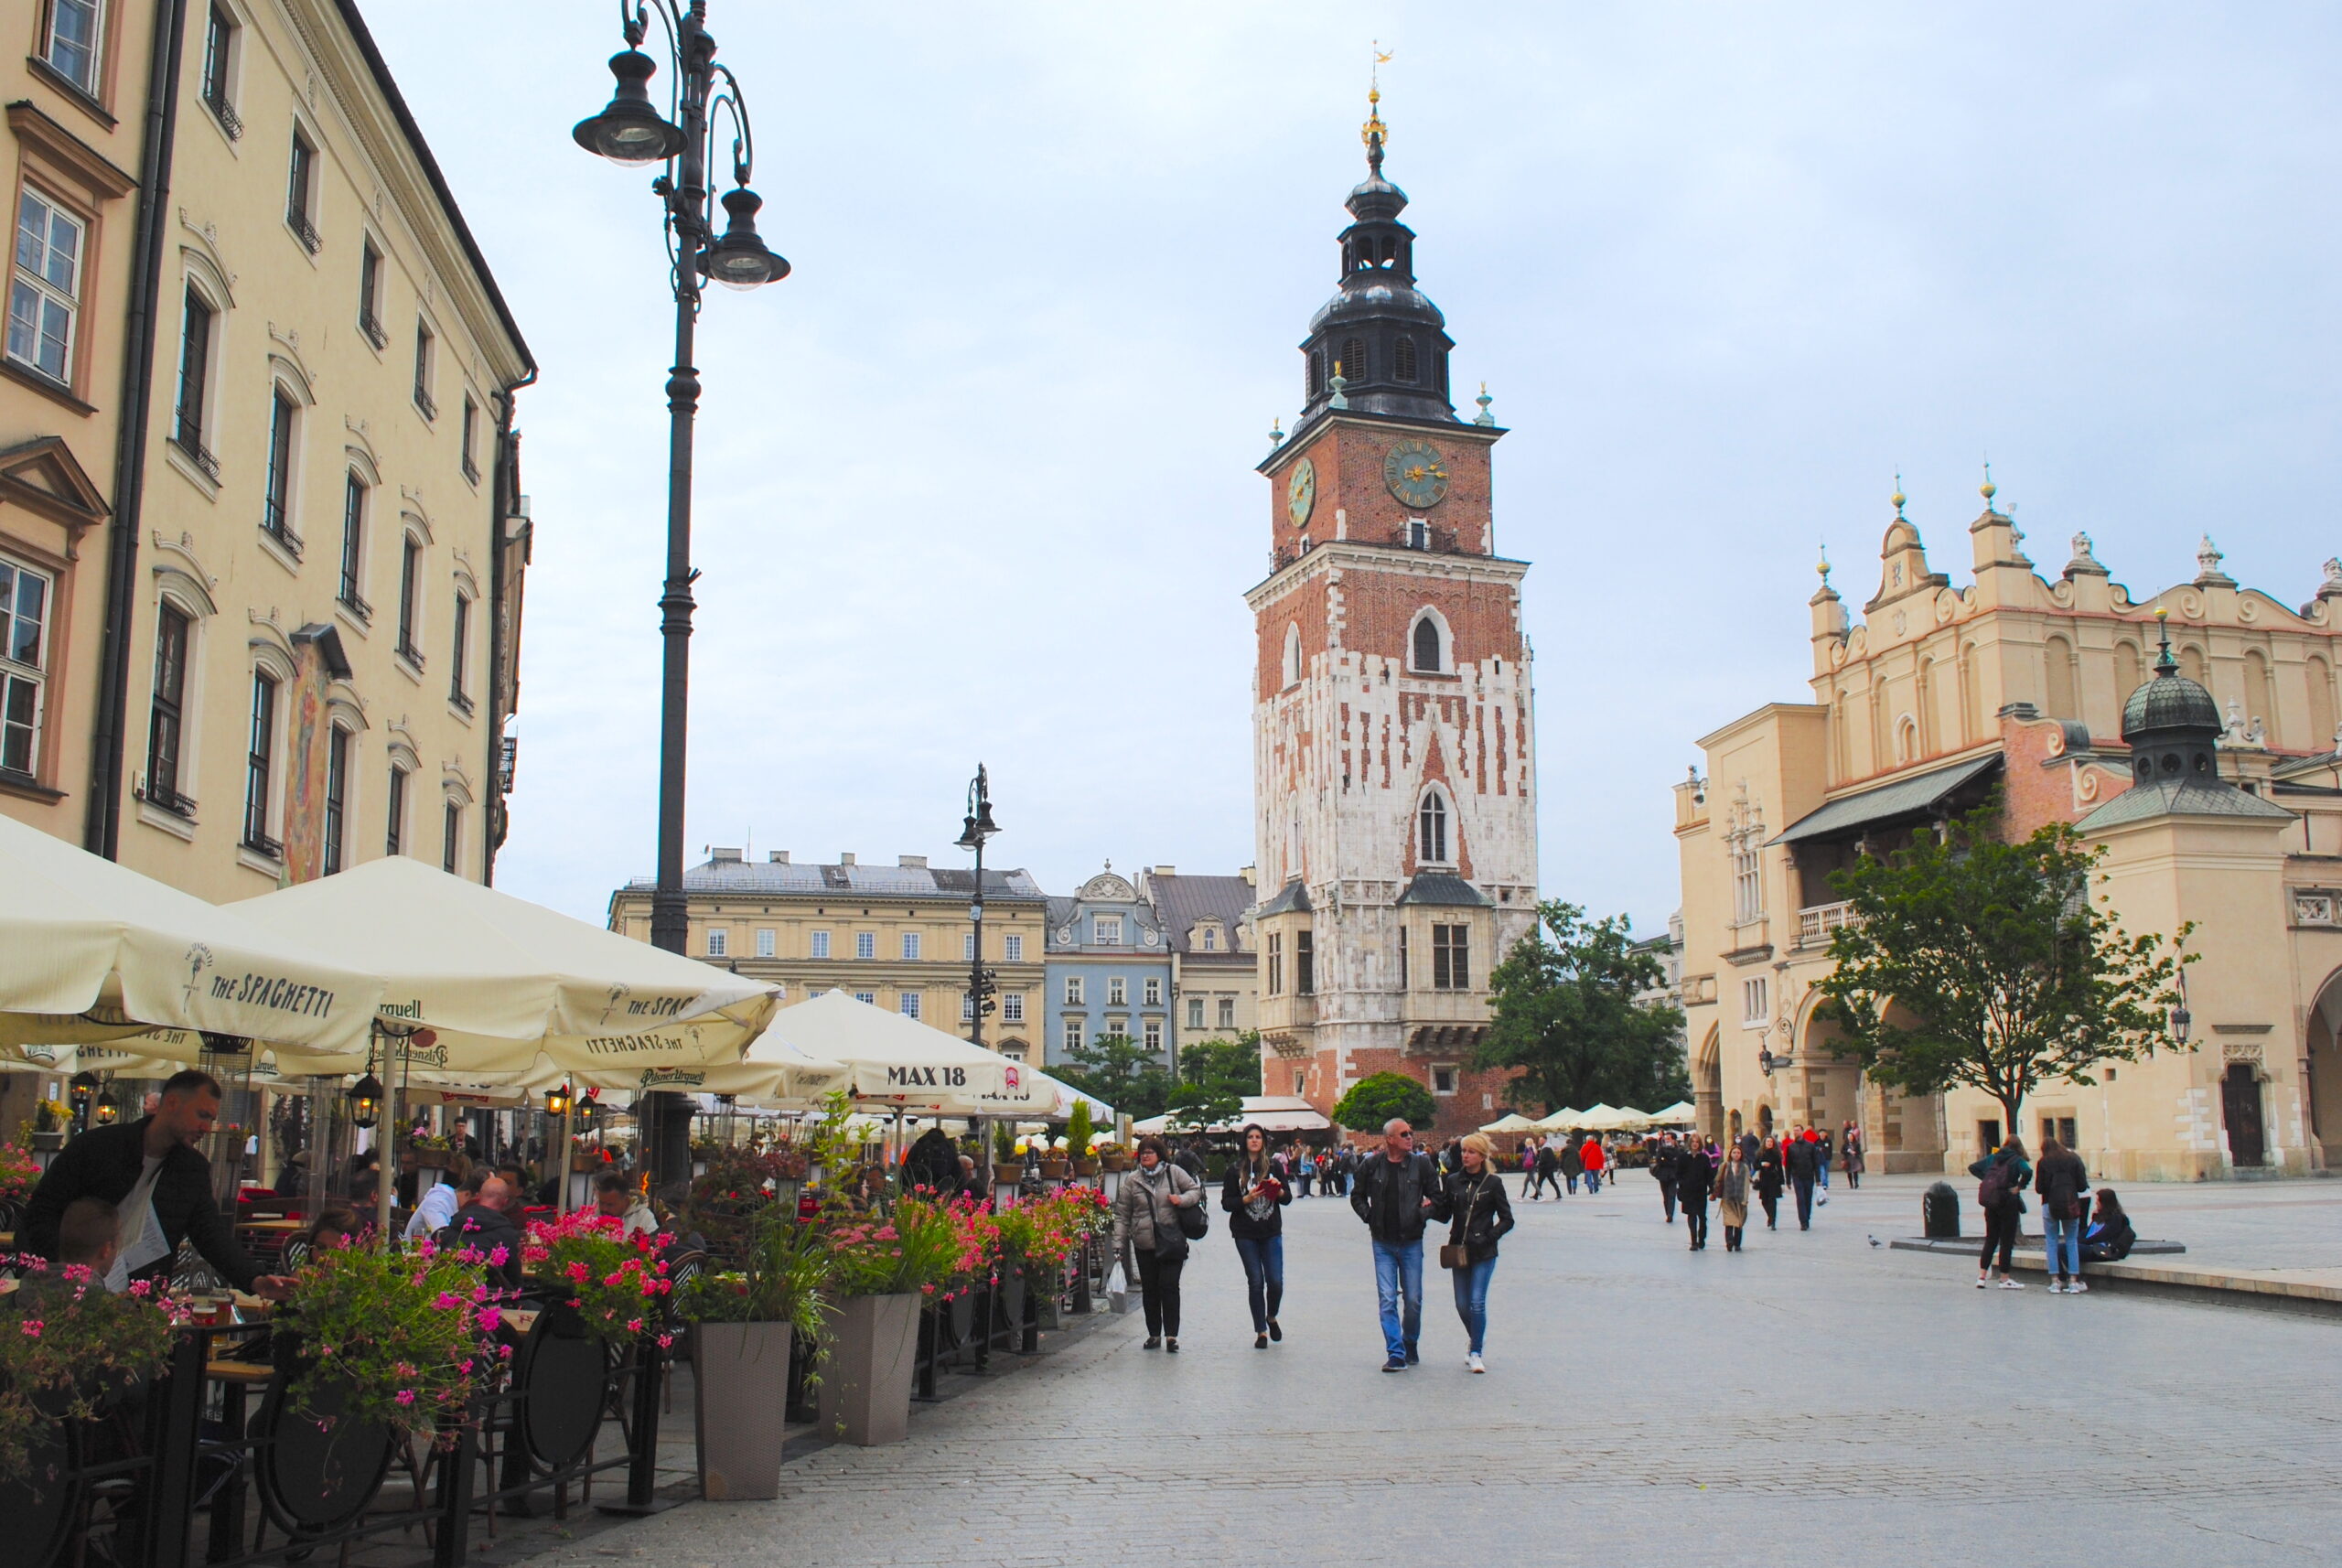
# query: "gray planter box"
[[867, 1382], [740, 1373]]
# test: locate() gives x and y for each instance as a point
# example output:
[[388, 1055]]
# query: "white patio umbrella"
[[500, 980], [888, 1059], [1608, 1118], [92, 952], [1511, 1122], [1561, 1121], [1681, 1114]]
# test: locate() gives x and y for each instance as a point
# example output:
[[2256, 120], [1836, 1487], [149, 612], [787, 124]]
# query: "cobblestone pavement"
[[1813, 1394]]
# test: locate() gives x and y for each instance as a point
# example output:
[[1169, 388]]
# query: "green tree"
[[1120, 1071], [1374, 1100], [1225, 1067], [1195, 1106], [1969, 959], [1566, 1015]]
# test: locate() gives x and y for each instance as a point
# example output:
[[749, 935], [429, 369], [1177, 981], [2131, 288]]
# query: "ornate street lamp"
[[981, 983], [83, 1086], [631, 130], [109, 1108], [557, 1101], [365, 1098], [2181, 1020]]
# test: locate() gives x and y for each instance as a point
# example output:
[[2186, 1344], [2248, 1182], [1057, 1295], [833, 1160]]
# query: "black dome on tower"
[[2172, 725], [1388, 340]]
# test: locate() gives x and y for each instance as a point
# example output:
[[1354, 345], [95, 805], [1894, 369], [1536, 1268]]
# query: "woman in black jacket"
[[2001, 1179], [2063, 1182], [2109, 1239], [1768, 1183], [1254, 1196], [1479, 1215]]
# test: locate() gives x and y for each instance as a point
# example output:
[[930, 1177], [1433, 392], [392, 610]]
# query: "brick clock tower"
[[1393, 737]]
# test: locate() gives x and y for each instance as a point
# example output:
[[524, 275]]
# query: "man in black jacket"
[[1694, 1174], [1395, 1192], [1666, 1164], [161, 1187], [481, 1224], [1801, 1161]]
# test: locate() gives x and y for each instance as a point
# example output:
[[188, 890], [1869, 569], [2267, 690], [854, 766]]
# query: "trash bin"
[[1939, 1213]]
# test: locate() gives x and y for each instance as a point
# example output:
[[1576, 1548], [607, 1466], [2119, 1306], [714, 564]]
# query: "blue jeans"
[[1804, 1185], [1264, 1276], [1593, 1181], [1398, 1272], [1472, 1299], [2058, 1233], [1823, 1176]]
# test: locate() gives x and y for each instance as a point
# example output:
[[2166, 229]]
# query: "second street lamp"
[[632, 130], [981, 981]]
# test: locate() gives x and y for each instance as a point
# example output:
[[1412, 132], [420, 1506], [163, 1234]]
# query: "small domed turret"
[[2171, 723]]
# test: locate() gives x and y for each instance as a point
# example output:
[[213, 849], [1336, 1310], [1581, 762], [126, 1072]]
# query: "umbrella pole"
[[386, 1146], [561, 1184]]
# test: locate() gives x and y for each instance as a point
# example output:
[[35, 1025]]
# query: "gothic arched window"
[[1426, 651], [1317, 371], [1292, 656], [1431, 830], [1405, 360]]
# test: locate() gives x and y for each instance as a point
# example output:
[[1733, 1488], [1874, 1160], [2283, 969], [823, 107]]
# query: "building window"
[[1012, 1008], [195, 382], [410, 597], [1748, 883], [1755, 1003], [1352, 364], [821, 944], [167, 713], [1451, 958], [463, 631], [1154, 990], [1071, 1035], [865, 944], [1403, 358], [1227, 1012], [259, 764], [451, 837], [471, 428], [424, 344], [218, 60], [1106, 930], [966, 946], [1276, 963], [1431, 830], [1402, 958], [277, 504], [337, 796], [353, 541], [768, 943], [24, 665], [868, 998], [1118, 992], [1300, 1080], [1073, 991], [1428, 652], [911, 946], [301, 193], [1194, 1012], [1210, 938], [1305, 964], [1154, 1035], [1120, 1028], [395, 840], [69, 45], [44, 299], [1013, 949], [1443, 1080], [1292, 656], [967, 1008], [369, 294], [909, 1002], [719, 940]]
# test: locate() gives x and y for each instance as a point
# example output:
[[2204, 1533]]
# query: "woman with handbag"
[[2063, 1182], [1480, 1214], [1149, 1223], [1255, 1198]]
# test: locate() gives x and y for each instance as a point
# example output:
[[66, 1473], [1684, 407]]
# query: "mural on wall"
[[308, 729]]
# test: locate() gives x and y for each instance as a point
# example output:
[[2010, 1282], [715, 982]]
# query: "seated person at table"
[[438, 1205], [516, 1182], [2108, 1238], [616, 1198], [85, 1239], [150, 1170], [333, 1227], [481, 1223]]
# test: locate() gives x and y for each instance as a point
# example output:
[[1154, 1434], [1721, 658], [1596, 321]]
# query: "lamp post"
[[632, 131], [981, 981]]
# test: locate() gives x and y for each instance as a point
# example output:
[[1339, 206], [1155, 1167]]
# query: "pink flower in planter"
[[32, 1327], [579, 1272], [490, 1316], [406, 1396], [499, 1255]]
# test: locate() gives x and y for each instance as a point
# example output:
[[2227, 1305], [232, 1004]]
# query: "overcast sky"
[[976, 481]]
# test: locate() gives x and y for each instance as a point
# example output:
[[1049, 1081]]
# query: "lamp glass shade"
[[740, 259], [365, 1098], [628, 130]]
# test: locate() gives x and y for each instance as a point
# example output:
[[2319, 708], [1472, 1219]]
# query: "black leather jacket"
[[105, 1161], [1477, 1211], [1389, 1196]]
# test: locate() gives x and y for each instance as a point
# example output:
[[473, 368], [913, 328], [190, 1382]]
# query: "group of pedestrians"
[[1561, 1159], [2072, 1231], [1692, 1171]]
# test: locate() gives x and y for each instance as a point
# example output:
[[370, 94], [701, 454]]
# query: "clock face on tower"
[[1416, 473], [1301, 492]]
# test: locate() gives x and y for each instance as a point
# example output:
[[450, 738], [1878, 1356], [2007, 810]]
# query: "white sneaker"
[[2056, 1287], [1979, 1281], [1474, 1361], [2011, 1284], [2077, 1288]]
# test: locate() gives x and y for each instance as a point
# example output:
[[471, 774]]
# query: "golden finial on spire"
[[1823, 566], [1374, 133], [1898, 498], [1988, 490]]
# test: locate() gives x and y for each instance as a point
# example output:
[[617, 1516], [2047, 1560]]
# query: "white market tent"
[[1513, 1121], [92, 952], [1272, 1112], [1610, 1119], [1682, 1114], [500, 980], [1561, 1121]]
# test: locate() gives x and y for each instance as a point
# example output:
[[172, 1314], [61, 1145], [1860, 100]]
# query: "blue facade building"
[[1109, 970]]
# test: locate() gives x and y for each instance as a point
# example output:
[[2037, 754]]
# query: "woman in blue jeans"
[[1254, 1197], [1479, 1216]]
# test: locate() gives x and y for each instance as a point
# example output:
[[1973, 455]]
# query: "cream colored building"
[[895, 936], [1215, 963], [289, 647], [2019, 680]]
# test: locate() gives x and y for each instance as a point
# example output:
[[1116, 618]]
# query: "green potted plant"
[[71, 1348], [745, 1325], [1080, 1132], [1006, 1168], [49, 1120]]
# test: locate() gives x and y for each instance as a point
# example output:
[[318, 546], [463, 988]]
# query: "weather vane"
[[1374, 133]]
